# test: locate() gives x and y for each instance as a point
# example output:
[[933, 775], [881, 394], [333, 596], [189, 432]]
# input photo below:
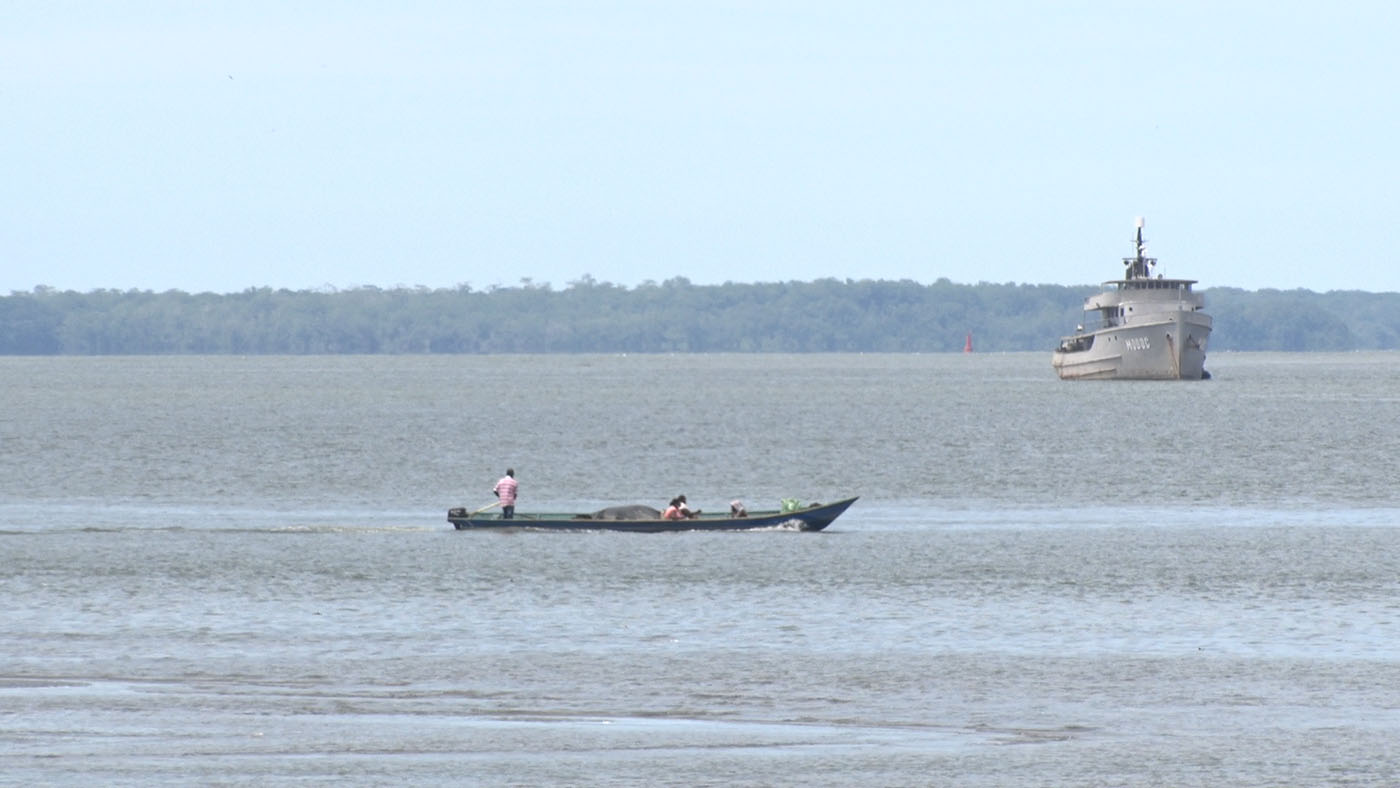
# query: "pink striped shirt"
[[506, 489]]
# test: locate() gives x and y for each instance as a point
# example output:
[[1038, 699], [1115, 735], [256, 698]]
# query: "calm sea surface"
[[238, 571]]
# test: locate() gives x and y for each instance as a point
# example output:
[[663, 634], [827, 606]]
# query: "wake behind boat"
[[644, 519], [1138, 328]]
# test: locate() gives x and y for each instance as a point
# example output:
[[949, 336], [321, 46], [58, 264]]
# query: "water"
[[238, 571]]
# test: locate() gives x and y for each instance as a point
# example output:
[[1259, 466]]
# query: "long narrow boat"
[[809, 518]]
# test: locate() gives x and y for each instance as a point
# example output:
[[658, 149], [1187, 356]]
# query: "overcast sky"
[[216, 146]]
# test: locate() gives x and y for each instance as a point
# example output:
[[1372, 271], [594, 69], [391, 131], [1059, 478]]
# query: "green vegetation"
[[674, 316]]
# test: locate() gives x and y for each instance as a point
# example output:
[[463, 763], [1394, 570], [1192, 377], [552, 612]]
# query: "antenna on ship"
[[1138, 266]]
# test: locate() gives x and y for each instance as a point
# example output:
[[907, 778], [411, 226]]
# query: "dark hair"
[[510, 472]]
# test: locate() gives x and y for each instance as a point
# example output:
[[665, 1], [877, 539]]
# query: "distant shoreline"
[[675, 316]]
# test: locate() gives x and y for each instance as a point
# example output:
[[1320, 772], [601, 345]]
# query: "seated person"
[[736, 509], [686, 511], [673, 511]]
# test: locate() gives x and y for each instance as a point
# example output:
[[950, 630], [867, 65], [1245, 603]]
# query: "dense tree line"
[[672, 316]]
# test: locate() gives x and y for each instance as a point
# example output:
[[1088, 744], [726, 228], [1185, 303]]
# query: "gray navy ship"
[[1139, 328]]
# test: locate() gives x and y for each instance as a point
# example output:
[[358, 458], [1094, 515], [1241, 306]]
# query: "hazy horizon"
[[557, 286]]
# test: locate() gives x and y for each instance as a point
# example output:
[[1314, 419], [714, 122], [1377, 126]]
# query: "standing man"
[[505, 490]]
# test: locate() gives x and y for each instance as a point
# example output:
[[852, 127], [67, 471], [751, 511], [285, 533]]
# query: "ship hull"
[[1170, 349]]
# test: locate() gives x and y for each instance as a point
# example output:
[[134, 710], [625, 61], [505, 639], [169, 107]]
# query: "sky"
[[218, 146]]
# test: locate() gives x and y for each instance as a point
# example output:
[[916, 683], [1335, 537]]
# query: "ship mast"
[[1140, 266]]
